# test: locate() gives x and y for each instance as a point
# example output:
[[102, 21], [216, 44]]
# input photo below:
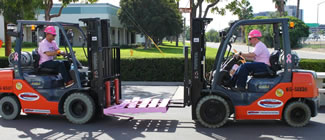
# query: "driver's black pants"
[[62, 67], [240, 77]]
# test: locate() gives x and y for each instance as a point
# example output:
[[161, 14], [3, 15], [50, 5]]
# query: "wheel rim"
[[213, 111], [7, 108], [298, 115], [78, 109]]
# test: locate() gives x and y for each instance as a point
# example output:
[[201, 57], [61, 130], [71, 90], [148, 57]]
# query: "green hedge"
[[170, 69]]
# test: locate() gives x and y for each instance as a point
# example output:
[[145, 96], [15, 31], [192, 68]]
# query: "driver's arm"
[[249, 56], [53, 53]]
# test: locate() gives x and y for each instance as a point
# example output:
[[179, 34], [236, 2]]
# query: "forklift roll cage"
[[60, 25], [103, 58]]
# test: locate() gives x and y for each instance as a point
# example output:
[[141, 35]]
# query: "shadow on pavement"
[[57, 127]]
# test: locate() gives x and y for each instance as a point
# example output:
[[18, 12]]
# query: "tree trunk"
[[298, 4], [7, 41], [281, 8], [147, 43], [243, 33], [177, 41]]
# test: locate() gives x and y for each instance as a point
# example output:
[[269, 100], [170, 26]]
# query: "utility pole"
[[177, 35], [191, 19], [297, 12]]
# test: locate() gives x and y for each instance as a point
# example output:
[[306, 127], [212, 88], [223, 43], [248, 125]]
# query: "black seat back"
[[36, 58], [274, 60], [40, 70]]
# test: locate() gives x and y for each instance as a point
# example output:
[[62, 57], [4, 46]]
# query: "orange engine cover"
[[303, 85], [6, 77]]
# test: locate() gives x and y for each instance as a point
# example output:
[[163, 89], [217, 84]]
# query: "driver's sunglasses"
[[250, 38]]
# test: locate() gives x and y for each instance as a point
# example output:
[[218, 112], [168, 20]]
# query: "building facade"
[[73, 12], [292, 11]]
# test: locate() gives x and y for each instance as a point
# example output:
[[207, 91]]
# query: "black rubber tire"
[[9, 108], [297, 114], [212, 111], [79, 108]]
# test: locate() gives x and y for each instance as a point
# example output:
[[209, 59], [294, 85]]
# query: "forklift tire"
[[9, 108], [79, 108], [297, 114], [212, 111]]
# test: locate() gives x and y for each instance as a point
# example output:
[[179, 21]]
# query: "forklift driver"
[[47, 50], [260, 57]]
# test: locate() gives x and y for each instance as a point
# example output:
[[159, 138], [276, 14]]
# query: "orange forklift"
[[283, 93]]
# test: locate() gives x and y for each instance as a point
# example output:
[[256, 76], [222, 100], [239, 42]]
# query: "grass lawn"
[[314, 46], [169, 51]]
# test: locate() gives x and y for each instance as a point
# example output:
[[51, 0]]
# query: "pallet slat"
[[139, 106], [164, 103], [154, 103], [134, 102], [145, 103]]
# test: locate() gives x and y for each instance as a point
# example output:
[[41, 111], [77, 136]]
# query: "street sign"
[[185, 10]]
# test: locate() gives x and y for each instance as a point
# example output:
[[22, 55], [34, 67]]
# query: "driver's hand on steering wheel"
[[59, 52]]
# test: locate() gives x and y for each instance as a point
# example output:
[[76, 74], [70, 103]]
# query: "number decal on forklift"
[[27, 96], [270, 103]]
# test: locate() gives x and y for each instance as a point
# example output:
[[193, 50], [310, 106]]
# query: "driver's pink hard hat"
[[50, 30], [254, 33]]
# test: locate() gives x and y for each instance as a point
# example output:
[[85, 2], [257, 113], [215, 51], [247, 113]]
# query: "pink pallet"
[[137, 105]]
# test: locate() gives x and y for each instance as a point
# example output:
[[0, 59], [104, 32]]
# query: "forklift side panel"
[[32, 101], [269, 106]]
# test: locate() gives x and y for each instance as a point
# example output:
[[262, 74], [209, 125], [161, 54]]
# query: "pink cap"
[[254, 33], [50, 30]]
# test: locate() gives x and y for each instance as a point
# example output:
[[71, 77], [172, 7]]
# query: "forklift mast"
[[103, 59], [198, 48]]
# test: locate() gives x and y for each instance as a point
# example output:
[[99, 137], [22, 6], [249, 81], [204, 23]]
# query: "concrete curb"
[[151, 83]]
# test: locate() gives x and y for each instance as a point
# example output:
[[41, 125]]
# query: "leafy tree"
[[48, 4], [187, 33], [212, 36], [156, 18], [12, 10], [243, 10], [300, 30]]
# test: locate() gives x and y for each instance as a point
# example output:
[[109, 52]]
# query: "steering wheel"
[[242, 59]]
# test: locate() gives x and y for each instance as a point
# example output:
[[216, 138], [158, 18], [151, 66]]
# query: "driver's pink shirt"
[[262, 53], [45, 46]]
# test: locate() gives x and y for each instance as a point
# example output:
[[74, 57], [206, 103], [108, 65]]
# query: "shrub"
[[170, 69], [26, 45]]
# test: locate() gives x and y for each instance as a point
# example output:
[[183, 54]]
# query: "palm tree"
[[279, 5]]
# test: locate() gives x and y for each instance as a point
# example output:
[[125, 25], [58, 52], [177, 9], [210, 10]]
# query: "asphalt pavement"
[[176, 124]]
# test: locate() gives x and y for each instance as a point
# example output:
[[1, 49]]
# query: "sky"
[[219, 22]]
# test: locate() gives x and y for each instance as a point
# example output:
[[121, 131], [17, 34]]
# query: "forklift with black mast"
[[283, 93]]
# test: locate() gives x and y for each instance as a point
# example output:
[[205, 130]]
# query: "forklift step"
[[137, 105]]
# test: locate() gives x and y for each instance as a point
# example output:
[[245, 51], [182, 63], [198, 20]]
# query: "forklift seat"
[[40, 70], [271, 70]]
